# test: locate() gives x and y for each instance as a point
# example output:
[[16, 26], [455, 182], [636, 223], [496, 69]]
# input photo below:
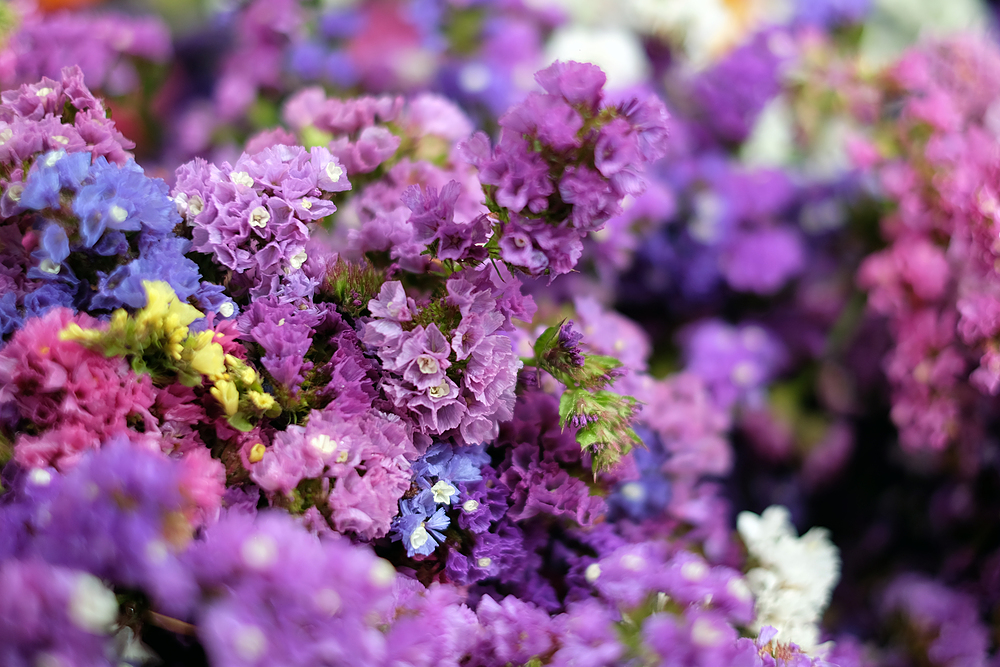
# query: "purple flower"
[[119, 514], [521, 176], [53, 613], [515, 631], [695, 638], [735, 362], [422, 358], [431, 210], [586, 636], [275, 593], [577, 83], [592, 198], [546, 118], [392, 303], [762, 261]]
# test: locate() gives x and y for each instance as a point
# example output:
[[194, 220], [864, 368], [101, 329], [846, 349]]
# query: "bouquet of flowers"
[[402, 333]]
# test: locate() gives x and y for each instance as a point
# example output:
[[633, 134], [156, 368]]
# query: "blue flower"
[[52, 252], [420, 534], [46, 297], [159, 259], [212, 298], [10, 318], [50, 173], [124, 199], [444, 461]]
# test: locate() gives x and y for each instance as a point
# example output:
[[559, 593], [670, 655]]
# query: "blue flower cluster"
[[97, 230], [422, 517]]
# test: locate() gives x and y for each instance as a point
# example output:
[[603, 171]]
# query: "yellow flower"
[[257, 452], [74, 331], [260, 400], [207, 356], [164, 311], [225, 392]]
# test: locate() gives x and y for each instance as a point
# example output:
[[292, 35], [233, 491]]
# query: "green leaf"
[[240, 422], [548, 340]]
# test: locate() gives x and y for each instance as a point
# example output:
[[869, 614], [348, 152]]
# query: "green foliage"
[[602, 418], [352, 285]]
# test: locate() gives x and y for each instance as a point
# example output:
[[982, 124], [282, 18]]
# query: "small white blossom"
[[241, 178], [443, 491], [92, 607]]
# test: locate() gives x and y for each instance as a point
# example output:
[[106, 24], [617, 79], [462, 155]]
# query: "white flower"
[[794, 576], [92, 607], [614, 49], [443, 491], [708, 29]]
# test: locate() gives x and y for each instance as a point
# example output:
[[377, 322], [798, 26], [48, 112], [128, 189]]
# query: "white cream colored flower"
[[794, 576], [708, 29], [896, 24], [615, 49], [92, 607]]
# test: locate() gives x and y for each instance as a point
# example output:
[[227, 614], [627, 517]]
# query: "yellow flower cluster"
[[163, 326]]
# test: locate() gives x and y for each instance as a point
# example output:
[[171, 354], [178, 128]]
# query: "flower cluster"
[[254, 218], [478, 392], [106, 46], [936, 281], [563, 165], [425, 197], [412, 358]]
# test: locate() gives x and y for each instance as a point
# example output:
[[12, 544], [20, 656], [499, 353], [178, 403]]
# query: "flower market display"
[[487, 333]]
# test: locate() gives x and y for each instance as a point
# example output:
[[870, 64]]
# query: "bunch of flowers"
[[936, 282], [412, 358], [351, 390]]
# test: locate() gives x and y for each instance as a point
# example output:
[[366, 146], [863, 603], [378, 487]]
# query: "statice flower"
[[102, 45], [72, 397], [261, 32], [947, 621], [51, 614], [940, 297], [586, 636], [696, 638], [550, 208], [632, 573], [469, 401], [420, 533], [96, 231], [535, 466], [51, 115], [434, 490], [514, 631], [275, 592], [431, 627], [792, 577], [256, 217], [767, 651], [736, 363], [119, 514], [426, 197], [284, 333], [361, 456], [735, 90]]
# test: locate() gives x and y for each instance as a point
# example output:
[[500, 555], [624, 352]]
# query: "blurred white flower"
[[794, 576], [895, 25], [92, 607], [708, 29], [614, 49]]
